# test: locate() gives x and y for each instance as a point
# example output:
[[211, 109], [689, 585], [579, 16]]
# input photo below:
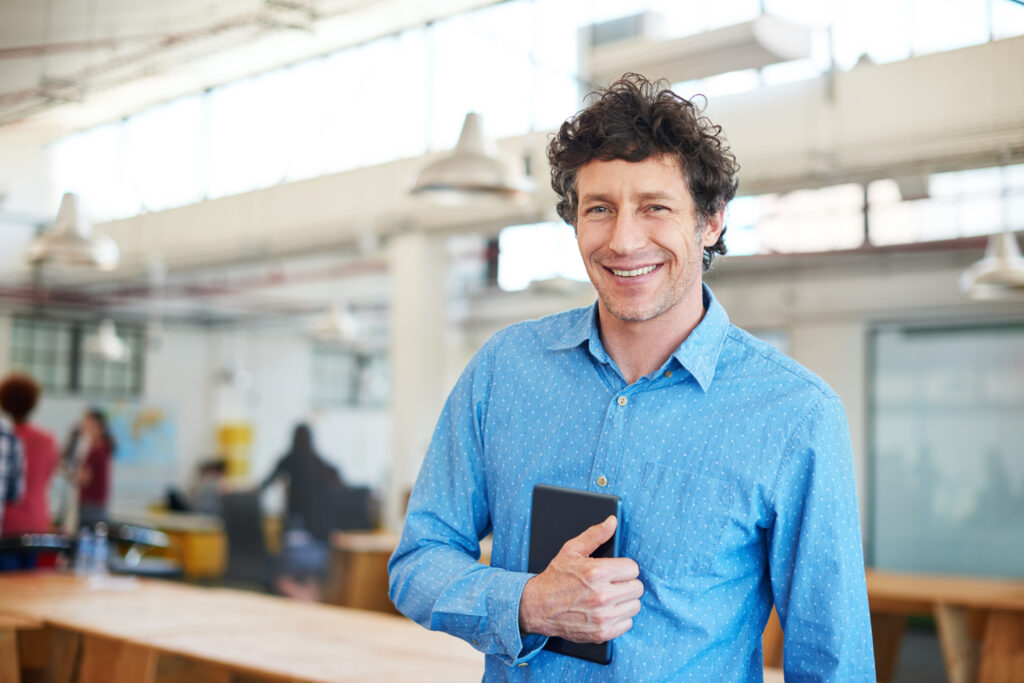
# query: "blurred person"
[[313, 485], [311, 482], [90, 453], [19, 395], [210, 486], [733, 462], [12, 469]]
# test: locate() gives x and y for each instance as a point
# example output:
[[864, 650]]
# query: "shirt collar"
[[698, 354], [583, 329]]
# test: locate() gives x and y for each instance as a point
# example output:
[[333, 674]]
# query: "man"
[[12, 469], [733, 463]]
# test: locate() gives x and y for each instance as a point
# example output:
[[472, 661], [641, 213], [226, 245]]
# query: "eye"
[[596, 209], [659, 207]]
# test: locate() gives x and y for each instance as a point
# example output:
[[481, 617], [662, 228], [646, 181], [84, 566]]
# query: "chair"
[[140, 540], [353, 509], [51, 545], [249, 564]]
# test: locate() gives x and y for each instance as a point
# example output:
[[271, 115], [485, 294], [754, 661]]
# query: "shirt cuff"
[[505, 607]]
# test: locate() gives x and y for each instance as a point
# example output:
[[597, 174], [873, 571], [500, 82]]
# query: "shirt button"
[[602, 481], [524, 664], [623, 400], [668, 373]]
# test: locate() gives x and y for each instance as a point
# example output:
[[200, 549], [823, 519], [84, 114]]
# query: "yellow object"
[[234, 442]]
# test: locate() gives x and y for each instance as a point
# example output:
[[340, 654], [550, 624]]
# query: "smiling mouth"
[[636, 272]]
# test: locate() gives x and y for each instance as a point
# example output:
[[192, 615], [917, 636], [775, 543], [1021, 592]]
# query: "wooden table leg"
[[959, 650], [10, 670], [64, 649], [110, 661], [178, 669], [1002, 654], [887, 637]]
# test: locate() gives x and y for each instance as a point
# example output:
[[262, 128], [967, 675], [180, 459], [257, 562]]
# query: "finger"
[[615, 595], [611, 569], [591, 539]]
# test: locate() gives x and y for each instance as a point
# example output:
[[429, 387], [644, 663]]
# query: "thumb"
[[591, 539]]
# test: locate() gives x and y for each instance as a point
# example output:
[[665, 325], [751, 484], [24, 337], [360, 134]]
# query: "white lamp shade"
[[1000, 274], [472, 174], [105, 344], [71, 240], [336, 324]]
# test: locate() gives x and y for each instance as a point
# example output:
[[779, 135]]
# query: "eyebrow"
[[643, 196]]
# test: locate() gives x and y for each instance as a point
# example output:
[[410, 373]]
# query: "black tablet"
[[557, 515]]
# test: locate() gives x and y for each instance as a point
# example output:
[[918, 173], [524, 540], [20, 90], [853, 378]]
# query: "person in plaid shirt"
[[12, 469]]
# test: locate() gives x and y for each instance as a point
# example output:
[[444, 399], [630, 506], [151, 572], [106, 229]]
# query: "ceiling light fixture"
[[71, 240], [338, 325], [1000, 274], [472, 174], [105, 344]]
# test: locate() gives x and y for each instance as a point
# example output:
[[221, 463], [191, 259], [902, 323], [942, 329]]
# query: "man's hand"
[[580, 598]]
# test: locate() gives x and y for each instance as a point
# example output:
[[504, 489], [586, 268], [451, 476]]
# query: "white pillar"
[[5, 344], [418, 322], [837, 352]]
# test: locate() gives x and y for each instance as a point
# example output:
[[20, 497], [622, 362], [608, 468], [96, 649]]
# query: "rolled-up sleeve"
[[434, 574]]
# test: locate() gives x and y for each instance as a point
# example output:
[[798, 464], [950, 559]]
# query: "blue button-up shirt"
[[736, 476]]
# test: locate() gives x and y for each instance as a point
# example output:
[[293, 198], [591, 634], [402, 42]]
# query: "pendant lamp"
[[336, 324], [71, 240], [470, 175], [1000, 274], [105, 344]]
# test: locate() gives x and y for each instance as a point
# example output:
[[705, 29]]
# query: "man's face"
[[637, 232]]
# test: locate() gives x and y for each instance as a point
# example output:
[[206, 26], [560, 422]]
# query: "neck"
[[640, 348]]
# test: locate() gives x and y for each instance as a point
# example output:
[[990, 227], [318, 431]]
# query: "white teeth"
[[634, 272]]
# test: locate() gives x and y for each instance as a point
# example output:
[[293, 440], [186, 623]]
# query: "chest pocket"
[[678, 522]]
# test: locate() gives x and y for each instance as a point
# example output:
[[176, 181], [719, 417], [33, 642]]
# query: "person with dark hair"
[[313, 487], [732, 462], [210, 486], [93, 471], [19, 394], [311, 480]]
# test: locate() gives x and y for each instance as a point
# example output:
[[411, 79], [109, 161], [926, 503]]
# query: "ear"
[[711, 232]]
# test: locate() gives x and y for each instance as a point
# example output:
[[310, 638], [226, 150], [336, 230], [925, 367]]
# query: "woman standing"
[[19, 394], [94, 473]]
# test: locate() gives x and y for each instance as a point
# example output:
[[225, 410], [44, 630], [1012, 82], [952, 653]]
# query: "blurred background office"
[[244, 173]]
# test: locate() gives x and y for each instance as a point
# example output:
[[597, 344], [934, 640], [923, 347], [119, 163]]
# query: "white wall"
[[26, 197]]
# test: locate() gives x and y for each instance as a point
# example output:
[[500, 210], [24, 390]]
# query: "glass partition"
[[947, 449]]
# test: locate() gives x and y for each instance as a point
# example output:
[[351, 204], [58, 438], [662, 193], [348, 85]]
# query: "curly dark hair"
[[19, 393], [633, 119]]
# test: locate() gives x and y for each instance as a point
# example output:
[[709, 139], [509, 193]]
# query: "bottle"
[[101, 550], [84, 553]]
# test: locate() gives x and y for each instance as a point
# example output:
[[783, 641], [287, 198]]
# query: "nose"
[[627, 235]]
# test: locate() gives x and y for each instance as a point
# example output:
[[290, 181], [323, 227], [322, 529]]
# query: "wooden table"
[[980, 622], [358, 572], [125, 629], [10, 625], [198, 542]]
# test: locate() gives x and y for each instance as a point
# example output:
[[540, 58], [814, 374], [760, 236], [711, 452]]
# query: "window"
[[946, 440], [958, 204], [515, 62], [539, 251], [53, 351], [343, 377], [43, 348]]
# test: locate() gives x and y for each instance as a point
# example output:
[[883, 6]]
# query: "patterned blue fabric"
[[734, 466], [12, 468]]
